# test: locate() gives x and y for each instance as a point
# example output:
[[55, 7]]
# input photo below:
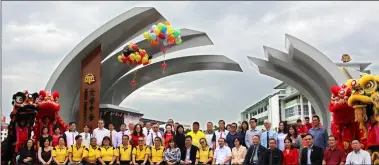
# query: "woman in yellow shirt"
[[59, 153], [205, 154], [141, 152], [157, 152], [89, 154], [106, 153], [124, 152]]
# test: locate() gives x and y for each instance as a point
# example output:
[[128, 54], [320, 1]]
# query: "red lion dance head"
[[342, 112], [48, 116]]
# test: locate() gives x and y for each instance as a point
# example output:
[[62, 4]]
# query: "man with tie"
[[220, 133], [267, 134], [255, 152], [122, 132], [153, 134], [312, 154], [113, 135], [70, 135], [252, 132], [147, 130]]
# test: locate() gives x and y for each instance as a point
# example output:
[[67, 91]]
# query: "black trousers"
[[124, 162], [139, 162]]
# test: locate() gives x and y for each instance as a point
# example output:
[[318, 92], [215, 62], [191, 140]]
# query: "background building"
[[4, 128], [287, 104]]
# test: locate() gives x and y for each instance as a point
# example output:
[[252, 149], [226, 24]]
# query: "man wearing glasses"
[[312, 154], [76, 151], [152, 135], [267, 134], [140, 154]]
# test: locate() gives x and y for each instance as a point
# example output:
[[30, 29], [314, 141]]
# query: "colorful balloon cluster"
[[163, 34], [132, 54]]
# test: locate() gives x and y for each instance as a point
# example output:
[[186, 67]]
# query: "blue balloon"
[[164, 29]]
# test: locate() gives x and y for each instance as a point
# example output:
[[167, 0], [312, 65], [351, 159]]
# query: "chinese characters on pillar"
[[88, 105]]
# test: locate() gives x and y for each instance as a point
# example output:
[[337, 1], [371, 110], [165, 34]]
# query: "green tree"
[[215, 127]]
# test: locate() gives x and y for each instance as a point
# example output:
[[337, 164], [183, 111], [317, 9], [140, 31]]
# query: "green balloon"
[[160, 26], [178, 42], [176, 33]]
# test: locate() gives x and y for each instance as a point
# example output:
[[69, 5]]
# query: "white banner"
[[131, 118]]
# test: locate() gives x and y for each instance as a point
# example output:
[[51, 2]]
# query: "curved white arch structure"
[[305, 68], [120, 90]]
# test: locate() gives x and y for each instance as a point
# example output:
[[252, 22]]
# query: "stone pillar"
[[89, 111], [310, 110], [301, 108]]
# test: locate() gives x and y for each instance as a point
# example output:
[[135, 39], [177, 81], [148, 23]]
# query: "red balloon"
[[142, 53], [124, 59], [164, 65], [133, 82], [135, 46], [161, 36]]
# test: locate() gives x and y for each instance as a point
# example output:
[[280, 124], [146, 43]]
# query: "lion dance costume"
[[28, 110], [355, 108]]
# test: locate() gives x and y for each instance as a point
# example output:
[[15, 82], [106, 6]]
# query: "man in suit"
[[273, 155], [312, 154], [188, 154], [255, 152]]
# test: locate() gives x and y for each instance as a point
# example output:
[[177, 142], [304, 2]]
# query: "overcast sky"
[[37, 35]]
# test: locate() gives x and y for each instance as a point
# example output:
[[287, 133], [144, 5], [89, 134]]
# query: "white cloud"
[[45, 38]]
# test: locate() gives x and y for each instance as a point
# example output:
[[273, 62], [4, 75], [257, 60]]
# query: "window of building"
[[289, 112], [246, 116], [306, 110], [299, 110], [265, 108], [252, 114]]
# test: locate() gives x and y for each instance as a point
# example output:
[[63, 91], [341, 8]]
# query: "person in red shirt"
[[168, 135], [137, 133], [301, 130], [290, 154], [332, 154], [22, 133], [307, 125]]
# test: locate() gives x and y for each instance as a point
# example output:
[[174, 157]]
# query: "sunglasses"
[[157, 140], [140, 140]]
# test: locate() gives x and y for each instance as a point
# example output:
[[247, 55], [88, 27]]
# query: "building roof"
[[120, 109], [259, 102], [281, 86], [145, 120], [362, 65]]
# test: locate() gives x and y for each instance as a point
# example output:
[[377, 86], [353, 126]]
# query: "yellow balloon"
[[156, 31], [138, 57], [170, 29], [167, 23], [146, 35], [150, 61], [132, 56], [145, 59], [119, 58]]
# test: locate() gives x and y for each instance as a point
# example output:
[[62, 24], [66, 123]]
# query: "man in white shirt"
[[122, 132], [112, 135], [209, 133], [147, 130], [86, 135], [100, 132], [70, 135], [220, 133], [358, 156], [130, 127], [223, 154], [153, 134]]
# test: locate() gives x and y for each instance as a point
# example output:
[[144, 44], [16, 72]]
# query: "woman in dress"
[[168, 135], [44, 153], [59, 153], [136, 134], [180, 137], [172, 153], [56, 135], [27, 154], [44, 135], [290, 154], [86, 136], [205, 154], [282, 134], [244, 128], [296, 139], [238, 152]]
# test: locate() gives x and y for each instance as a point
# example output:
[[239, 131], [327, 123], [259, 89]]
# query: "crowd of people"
[[304, 143]]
